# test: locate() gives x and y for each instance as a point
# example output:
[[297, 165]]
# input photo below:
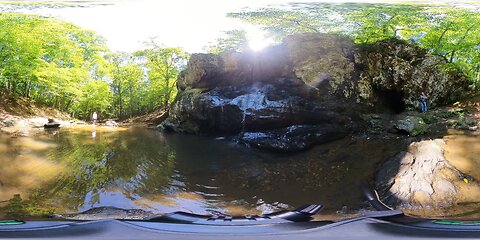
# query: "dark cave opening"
[[390, 100]]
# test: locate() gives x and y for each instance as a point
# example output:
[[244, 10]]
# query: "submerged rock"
[[51, 124], [294, 138]]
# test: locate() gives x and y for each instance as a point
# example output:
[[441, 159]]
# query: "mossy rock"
[[376, 126], [419, 129], [448, 114], [430, 119], [462, 123], [412, 125]]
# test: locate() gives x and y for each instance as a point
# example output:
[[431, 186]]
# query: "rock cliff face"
[[207, 71], [394, 69], [313, 83], [385, 75], [275, 116]]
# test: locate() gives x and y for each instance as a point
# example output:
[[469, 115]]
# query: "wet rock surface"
[[274, 111], [293, 138], [225, 110]]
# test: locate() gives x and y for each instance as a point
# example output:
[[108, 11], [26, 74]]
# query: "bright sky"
[[190, 24]]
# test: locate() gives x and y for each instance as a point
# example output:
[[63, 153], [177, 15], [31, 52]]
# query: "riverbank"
[[150, 120], [462, 115], [21, 116]]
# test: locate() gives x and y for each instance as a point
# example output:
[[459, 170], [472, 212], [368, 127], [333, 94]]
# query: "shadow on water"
[[329, 174]]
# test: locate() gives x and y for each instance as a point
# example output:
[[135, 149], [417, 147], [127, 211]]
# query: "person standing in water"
[[423, 102], [94, 117]]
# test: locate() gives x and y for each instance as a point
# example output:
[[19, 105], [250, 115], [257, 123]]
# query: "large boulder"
[[277, 113], [387, 75], [411, 125], [421, 177]]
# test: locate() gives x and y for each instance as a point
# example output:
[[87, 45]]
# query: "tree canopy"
[[163, 66], [449, 31], [61, 65], [232, 40]]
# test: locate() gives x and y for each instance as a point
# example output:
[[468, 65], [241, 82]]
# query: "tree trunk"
[[439, 42], [27, 89], [477, 73], [14, 89], [131, 100], [120, 101], [8, 88], [167, 96], [68, 104], [451, 56]]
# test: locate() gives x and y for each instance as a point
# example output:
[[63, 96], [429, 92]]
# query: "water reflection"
[[72, 172], [75, 169]]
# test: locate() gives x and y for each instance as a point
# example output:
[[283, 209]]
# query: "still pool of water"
[[79, 168]]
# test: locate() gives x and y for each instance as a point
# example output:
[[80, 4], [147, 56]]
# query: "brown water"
[[463, 151], [79, 168]]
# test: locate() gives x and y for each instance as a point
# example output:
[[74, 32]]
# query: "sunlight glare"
[[257, 39]]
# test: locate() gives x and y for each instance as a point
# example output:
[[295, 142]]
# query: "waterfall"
[[243, 121], [221, 114]]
